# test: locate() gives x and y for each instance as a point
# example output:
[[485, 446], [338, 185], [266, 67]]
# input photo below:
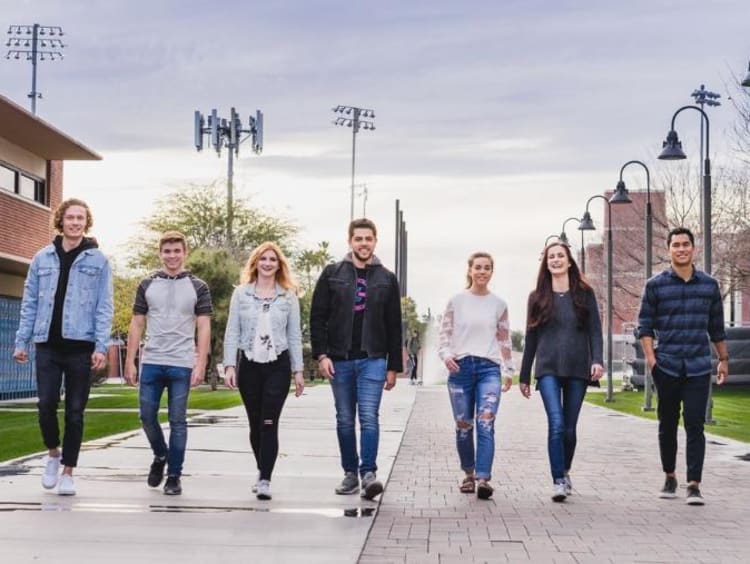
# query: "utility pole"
[[35, 43], [228, 133], [402, 250]]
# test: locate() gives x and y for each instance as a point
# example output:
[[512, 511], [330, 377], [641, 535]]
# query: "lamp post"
[[37, 43], [355, 122], [564, 239], [586, 224], [746, 81], [672, 150], [647, 399], [549, 238]]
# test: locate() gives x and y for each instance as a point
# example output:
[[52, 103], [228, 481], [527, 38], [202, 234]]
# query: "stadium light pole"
[[351, 116], [619, 197], [228, 133], [36, 43]]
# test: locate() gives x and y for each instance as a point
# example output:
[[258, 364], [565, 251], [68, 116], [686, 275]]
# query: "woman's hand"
[[597, 370], [230, 377], [451, 364], [525, 389], [507, 383], [299, 384]]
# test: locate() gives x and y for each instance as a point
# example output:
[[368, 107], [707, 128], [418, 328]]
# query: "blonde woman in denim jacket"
[[262, 350]]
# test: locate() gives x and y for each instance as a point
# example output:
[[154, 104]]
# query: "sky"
[[495, 120]]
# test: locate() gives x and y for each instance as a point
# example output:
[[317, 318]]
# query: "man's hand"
[[197, 376], [131, 374], [651, 362], [390, 380], [722, 371], [20, 356], [325, 367], [98, 360]]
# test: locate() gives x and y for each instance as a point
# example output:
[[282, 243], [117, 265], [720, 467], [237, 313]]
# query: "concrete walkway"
[[116, 518], [614, 514]]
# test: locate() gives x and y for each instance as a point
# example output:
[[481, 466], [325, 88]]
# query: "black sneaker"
[[156, 473], [484, 490], [694, 496], [669, 491], [173, 486]]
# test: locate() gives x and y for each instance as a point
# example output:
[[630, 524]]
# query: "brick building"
[[31, 185]]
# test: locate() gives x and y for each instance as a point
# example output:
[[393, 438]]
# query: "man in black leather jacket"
[[355, 326]]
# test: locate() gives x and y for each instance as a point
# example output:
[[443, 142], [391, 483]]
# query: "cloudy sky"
[[495, 120]]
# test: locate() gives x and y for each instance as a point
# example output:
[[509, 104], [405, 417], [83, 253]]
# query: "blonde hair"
[[472, 258], [284, 278], [172, 237]]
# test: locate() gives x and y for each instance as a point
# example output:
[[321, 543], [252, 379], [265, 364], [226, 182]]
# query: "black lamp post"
[[649, 260], [619, 197], [672, 150], [564, 239]]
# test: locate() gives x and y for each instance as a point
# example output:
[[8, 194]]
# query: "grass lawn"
[[730, 410], [19, 430]]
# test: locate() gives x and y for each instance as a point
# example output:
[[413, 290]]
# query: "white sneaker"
[[255, 485], [67, 486], [568, 484], [51, 472], [558, 492], [263, 489]]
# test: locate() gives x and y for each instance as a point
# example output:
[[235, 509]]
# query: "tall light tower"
[[34, 43], [704, 98], [351, 116], [228, 133]]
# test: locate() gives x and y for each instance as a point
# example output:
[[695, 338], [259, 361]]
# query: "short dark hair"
[[680, 231], [362, 223]]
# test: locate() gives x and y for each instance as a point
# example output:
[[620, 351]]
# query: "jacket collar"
[[374, 262]]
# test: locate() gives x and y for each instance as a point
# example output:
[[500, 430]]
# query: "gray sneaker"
[[263, 488], [371, 487], [349, 485], [558, 492], [669, 490]]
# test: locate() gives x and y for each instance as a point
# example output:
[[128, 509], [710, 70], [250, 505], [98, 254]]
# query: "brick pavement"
[[613, 516]]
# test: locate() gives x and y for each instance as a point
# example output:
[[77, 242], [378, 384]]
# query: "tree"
[[309, 263], [199, 212], [516, 339], [125, 287]]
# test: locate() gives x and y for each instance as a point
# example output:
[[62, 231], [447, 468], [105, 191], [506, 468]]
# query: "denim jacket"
[[88, 307], [244, 311]]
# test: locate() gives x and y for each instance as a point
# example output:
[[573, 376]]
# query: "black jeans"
[[692, 393], [264, 388], [51, 365]]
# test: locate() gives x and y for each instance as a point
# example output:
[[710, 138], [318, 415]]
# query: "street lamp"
[[649, 260], [564, 239], [672, 150], [549, 237], [586, 224], [350, 116], [35, 42]]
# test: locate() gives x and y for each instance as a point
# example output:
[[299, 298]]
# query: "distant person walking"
[[474, 343], [66, 313], [564, 343], [263, 335], [355, 327], [413, 347], [681, 310], [170, 305]]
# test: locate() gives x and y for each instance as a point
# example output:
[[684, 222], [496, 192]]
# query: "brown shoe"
[[468, 485]]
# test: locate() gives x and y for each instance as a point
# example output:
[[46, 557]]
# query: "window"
[[7, 179], [23, 184]]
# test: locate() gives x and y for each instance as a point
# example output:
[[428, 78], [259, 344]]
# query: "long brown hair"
[[284, 278], [542, 299]]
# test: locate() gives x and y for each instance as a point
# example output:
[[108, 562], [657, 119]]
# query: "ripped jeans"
[[475, 398]]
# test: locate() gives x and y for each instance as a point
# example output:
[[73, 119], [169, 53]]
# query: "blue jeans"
[[51, 365], [475, 398], [563, 398], [357, 390], [154, 378]]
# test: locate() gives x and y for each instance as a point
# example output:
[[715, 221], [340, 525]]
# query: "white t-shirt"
[[476, 325]]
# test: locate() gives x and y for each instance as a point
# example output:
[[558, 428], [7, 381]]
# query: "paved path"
[[613, 515], [116, 518]]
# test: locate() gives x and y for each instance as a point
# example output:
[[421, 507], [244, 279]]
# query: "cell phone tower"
[[35, 43], [228, 133]]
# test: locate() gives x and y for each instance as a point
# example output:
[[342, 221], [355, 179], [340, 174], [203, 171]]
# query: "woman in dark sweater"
[[564, 343]]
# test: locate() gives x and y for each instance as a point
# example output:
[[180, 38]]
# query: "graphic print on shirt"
[[360, 294]]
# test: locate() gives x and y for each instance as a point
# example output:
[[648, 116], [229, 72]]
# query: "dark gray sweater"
[[560, 347]]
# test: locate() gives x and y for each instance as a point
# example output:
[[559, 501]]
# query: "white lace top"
[[263, 349]]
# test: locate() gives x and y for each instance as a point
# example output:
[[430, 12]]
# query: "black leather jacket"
[[332, 313]]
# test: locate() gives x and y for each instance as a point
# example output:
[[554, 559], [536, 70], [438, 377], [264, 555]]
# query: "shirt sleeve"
[[140, 305], [503, 339], [647, 312], [716, 331], [596, 341], [446, 333], [529, 348]]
